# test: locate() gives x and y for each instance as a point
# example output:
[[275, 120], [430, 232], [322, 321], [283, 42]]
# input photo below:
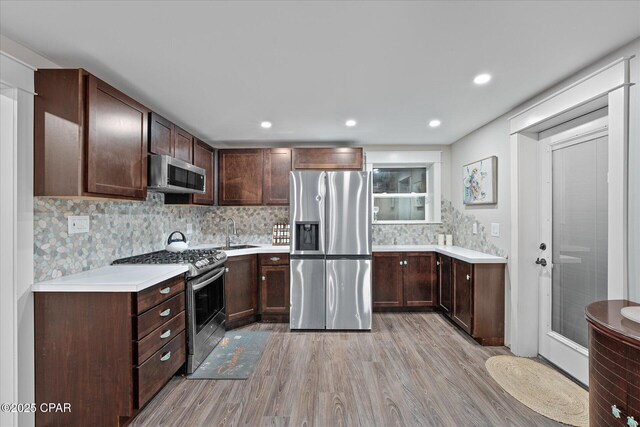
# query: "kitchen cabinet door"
[[240, 177], [328, 158], [116, 155], [419, 279], [183, 145], [161, 135], [274, 289], [241, 287], [387, 279], [444, 284], [462, 294], [277, 165], [203, 157]]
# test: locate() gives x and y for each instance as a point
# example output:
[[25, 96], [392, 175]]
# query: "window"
[[406, 186]]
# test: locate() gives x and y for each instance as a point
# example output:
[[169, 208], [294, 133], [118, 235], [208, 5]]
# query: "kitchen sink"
[[234, 247]]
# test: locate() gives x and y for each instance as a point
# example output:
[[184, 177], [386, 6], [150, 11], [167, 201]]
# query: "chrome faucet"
[[234, 232]]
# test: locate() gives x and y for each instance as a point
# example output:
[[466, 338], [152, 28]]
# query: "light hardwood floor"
[[413, 369]]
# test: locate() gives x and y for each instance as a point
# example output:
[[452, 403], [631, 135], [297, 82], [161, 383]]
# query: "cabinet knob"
[[468, 277], [400, 262], [165, 313], [405, 263], [264, 278], [165, 291], [632, 422], [437, 262], [165, 356], [166, 334], [226, 270]]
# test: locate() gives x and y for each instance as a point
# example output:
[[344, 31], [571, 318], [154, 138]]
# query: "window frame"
[[431, 160]]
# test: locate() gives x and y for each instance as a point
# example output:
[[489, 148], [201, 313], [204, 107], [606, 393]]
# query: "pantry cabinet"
[[90, 139]]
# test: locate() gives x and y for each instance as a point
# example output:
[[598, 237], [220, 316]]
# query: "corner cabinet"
[[474, 297], [106, 353], [90, 140], [404, 280], [241, 290]]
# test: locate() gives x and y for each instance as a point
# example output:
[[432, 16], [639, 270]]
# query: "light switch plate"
[[78, 224], [475, 228], [495, 229], [189, 228]]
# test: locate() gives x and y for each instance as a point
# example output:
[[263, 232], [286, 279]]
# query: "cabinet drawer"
[[158, 315], [156, 294], [159, 337], [274, 259], [153, 374]]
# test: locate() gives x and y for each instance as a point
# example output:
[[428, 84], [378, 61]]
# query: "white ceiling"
[[219, 69]]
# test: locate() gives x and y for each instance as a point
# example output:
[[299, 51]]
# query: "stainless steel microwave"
[[170, 175]]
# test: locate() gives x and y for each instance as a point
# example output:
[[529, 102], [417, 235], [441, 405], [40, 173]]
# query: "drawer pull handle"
[[165, 356], [615, 411], [632, 422], [274, 258], [165, 313], [166, 334], [166, 290]]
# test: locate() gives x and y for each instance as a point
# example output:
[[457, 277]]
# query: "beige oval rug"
[[541, 388]]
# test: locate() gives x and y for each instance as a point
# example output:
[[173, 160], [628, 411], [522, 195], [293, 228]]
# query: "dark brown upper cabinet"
[[240, 177], [183, 145], [90, 140], [277, 165], [328, 158], [161, 135], [204, 157]]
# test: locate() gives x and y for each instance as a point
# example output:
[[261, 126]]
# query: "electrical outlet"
[[475, 228], [495, 229], [78, 224], [189, 228]]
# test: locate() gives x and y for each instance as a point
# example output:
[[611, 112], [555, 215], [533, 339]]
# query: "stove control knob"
[[198, 264]]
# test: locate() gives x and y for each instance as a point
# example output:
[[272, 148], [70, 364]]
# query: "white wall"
[[493, 139]]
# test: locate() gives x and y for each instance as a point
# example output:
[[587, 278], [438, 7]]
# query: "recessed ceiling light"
[[350, 123], [434, 123], [481, 79], [265, 125]]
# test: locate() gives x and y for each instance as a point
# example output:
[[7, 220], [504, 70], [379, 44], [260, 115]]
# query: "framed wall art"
[[480, 182]]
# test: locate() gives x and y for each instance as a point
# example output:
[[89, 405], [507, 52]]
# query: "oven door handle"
[[208, 281]]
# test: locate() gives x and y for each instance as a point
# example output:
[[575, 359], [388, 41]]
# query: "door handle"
[[541, 261]]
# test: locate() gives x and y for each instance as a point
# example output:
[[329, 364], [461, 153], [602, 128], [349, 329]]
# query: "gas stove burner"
[[199, 260]]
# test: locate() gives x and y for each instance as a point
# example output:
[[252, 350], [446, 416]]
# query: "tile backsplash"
[[121, 229]]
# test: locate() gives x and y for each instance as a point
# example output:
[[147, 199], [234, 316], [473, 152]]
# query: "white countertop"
[[112, 278], [134, 278], [467, 255]]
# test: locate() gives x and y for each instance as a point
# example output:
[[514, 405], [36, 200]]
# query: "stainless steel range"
[[205, 296]]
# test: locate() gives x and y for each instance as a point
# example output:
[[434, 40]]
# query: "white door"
[[573, 240]]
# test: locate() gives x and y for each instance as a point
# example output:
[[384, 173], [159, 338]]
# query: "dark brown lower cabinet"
[[404, 280], [274, 287], [241, 290], [445, 300], [106, 353], [477, 294]]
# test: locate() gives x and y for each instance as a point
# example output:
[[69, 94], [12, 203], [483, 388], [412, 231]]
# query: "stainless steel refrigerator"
[[330, 215]]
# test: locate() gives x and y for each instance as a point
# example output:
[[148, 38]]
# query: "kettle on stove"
[[177, 244]]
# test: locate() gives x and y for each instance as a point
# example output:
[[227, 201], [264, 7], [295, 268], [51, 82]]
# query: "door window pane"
[[579, 185]]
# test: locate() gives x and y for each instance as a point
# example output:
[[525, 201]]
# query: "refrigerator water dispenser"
[[307, 236]]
